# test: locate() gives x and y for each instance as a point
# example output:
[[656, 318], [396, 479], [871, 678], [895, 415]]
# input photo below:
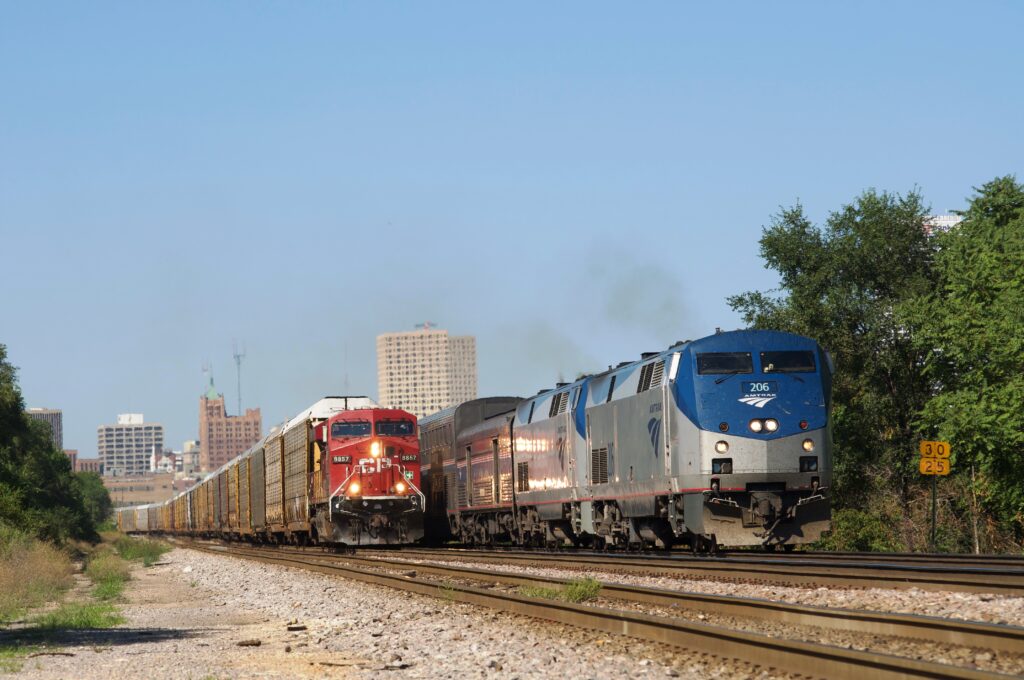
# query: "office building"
[[127, 447], [222, 437], [55, 419], [425, 370], [89, 465], [140, 489], [190, 458]]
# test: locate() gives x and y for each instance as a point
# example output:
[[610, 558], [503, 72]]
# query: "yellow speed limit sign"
[[934, 466], [934, 450]]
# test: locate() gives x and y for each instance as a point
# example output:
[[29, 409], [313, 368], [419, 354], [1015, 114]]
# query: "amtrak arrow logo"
[[759, 402]]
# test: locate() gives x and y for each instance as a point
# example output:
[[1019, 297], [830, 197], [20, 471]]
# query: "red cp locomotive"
[[372, 459]]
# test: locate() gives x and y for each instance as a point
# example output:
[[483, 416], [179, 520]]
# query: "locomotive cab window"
[[395, 428], [350, 429], [724, 363], [787, 362]]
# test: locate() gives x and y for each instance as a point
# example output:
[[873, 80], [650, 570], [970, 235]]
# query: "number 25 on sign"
[[934, 466]]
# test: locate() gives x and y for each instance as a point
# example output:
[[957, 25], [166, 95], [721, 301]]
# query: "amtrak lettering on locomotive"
[[720, 441]]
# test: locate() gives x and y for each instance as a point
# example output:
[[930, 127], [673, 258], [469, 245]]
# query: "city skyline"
[[572, 191]]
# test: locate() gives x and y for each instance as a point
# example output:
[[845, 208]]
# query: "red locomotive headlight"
[[400, 487], [353, 489]]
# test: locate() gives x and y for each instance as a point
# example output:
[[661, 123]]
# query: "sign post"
[[934, 461]]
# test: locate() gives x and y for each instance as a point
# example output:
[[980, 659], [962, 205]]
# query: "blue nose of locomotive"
[[763, 385]]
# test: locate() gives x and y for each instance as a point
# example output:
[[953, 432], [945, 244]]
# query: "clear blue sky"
[[573, 183]]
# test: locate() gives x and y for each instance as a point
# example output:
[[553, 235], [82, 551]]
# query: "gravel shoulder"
[[187, 615]]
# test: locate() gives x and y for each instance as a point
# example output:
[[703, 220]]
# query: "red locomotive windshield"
[[396, 428], [350, 429]]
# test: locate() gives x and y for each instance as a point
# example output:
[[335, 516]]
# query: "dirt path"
[[176, 629]]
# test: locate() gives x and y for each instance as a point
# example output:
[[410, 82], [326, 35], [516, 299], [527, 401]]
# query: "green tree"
[[38, 492], [970, 329], [95, 497], [843, 284]]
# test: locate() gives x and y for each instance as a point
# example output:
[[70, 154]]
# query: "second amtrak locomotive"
[[723, 441]]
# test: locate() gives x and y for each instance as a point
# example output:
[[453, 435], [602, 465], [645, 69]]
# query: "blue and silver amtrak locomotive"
[[723, 441]]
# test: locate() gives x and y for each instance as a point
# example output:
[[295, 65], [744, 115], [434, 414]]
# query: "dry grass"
[[31, 574]]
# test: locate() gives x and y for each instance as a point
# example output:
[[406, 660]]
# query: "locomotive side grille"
[[657, 373], [650, 376], [461, 485], [645, 378], [559, 402], [522, 477], [599, 466]]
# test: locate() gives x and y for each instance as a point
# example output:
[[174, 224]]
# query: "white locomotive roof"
[[328, 406]]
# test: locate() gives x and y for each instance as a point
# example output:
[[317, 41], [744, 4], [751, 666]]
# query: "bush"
[[31, 573], [140, 549], [859, 531]]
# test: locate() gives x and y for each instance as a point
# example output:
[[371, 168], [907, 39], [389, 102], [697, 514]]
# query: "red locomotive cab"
[[374, 475]]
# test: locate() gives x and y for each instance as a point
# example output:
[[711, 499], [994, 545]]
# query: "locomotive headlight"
[[400, 487], [771, 425], [353, 489], [375, 449], [722, 447], [756, 425], [808, 445]]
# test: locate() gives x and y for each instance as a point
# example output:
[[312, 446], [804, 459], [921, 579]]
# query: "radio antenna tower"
[[207, 373], [239, 355]]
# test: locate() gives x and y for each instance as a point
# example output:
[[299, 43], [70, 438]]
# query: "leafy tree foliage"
[[970, 329], [95, 497], [38, 491], [842, 284]]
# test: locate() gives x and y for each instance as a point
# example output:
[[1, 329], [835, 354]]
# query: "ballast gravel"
[[197, 615], [990, 608]]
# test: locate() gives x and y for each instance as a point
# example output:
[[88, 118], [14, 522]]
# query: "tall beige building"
[[127, 447], [425, 370], [222, 437]]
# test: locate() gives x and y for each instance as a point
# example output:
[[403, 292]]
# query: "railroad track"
[[816, 573], [791, 656], [934, 559]]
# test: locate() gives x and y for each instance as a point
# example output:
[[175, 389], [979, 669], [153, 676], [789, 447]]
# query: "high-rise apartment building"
[[55, 419], [425, 370], [126, 448], [222, 437]]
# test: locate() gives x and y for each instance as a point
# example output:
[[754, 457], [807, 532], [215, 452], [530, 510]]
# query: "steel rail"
[[791, 656], [929, 628], [933, 559], [939, 578]]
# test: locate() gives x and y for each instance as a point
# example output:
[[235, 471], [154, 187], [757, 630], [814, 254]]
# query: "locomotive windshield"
[[359, 428], [395, 428], [787, 362], [723, 363]]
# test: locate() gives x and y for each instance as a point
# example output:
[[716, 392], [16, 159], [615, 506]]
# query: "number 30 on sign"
[[934, 466], [934, 449]]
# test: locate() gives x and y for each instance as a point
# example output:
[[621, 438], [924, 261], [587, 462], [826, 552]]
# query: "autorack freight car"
[[342, 471]]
